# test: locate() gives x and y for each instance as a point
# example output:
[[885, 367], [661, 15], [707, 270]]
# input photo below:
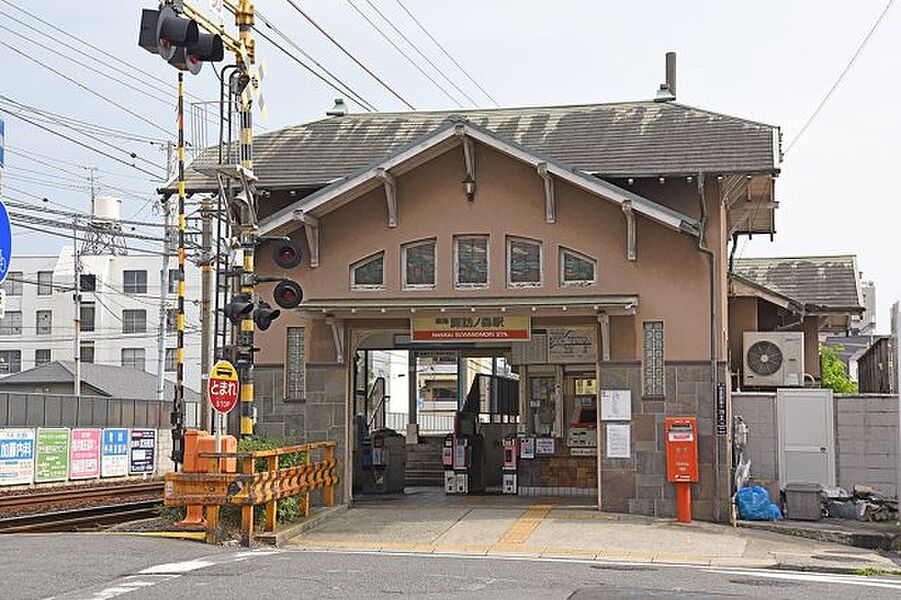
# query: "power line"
[[43, 159], [322, 30], [83, 86], [37, 207], [346, 90], [420, 52], [841, 76], [403, 53], [446, 53], [139, 251]]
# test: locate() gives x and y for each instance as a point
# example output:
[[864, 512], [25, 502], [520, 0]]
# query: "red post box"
[[682, 461]]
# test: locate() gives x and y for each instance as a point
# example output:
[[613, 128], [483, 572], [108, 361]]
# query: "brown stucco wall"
[[742, 318]]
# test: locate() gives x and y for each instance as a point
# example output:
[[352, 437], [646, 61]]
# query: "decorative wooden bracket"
[[550, 198], [469, 154], [631, 253], [390, 195], [336, 325], [604, 321], [311, 228]]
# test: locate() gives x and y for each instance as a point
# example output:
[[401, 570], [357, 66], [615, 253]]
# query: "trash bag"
[[754, 504]]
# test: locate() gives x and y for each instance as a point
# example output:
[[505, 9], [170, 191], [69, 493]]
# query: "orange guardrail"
[[250, 487]]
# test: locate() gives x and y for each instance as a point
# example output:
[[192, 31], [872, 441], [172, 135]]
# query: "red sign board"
[[223, 387]]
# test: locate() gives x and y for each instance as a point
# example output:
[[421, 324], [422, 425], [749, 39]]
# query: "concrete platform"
[[428, 521], [873, 536]]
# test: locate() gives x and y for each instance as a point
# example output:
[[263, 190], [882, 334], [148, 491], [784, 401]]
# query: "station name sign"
[[472, 327]]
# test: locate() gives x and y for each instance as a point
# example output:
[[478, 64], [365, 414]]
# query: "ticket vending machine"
[[447, 460], [682, 461], [511, 452], [462, 463]]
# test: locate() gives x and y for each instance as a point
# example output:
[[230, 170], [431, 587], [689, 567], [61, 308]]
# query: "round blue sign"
[[6, 242]]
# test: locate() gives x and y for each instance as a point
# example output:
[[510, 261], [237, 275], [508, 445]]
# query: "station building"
[[583, 248]]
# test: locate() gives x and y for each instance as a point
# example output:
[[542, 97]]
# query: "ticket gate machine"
[[462, 460], [509, 484]]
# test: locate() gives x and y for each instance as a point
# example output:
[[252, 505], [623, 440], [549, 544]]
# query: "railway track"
[[79, 519], [87, 493]]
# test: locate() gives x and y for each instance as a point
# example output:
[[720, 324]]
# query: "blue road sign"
[[6, 242]]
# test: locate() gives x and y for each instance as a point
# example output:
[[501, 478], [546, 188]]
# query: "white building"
[[120, 313]]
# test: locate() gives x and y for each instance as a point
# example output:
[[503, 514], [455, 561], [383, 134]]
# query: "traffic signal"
[[239, 306], [286, 254], [288, 294], [178, 40], [264, 315]]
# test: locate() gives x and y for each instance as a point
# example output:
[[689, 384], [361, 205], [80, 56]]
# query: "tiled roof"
[[108, 380], [829, 282], [628, 139]]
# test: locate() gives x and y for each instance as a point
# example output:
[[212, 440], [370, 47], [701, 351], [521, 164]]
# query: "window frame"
[[139, 288], [403, 265], [170, 359], [12, 330], [11, 353], [49, 359], [469, 285], [511, 239], [172, 281], [37, 322], [85, 306], [367, 286], [83, 349], [132, 315], [135, 352], [563, 251], [14, 285], [44, 288], [645, 392]]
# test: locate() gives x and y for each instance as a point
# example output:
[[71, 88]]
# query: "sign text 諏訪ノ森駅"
[[467, 328]]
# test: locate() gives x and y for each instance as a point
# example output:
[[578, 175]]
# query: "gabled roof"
[[447, 135], [817, 283], [623, 139], [107, 380]]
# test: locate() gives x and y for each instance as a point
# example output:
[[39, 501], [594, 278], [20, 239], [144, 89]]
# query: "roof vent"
[[339, 110], [667, 91]]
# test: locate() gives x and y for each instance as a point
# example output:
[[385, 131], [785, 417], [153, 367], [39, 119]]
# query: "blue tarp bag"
[[754, 504]]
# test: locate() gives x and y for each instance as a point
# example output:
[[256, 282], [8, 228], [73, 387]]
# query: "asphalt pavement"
[[106, 566]]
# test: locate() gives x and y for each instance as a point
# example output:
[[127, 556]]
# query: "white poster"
[[544, 446], [16, 456], [619, 440], [114, 453], [527, 447], [616, 405]]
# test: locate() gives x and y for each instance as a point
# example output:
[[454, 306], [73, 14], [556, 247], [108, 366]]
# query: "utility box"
[[803, 501], [389, 462]]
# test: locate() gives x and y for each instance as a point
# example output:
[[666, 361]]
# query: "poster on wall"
[[544, 446], [16, 456], [142, 451], [619, 440], [52, 462], [84, 454], [114, 455], [571, 345], [527, 447], [616, 405]]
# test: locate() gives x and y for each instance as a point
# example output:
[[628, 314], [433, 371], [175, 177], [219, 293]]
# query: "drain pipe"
[[711, 261]]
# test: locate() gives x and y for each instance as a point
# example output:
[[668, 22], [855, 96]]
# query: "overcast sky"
[[765, 60]]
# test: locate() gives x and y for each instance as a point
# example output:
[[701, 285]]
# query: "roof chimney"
[[339, 110], [667, 91]]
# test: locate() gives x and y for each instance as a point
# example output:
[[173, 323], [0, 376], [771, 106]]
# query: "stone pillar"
[[412, 397]]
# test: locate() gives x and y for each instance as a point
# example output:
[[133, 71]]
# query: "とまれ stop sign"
[[222, 387]]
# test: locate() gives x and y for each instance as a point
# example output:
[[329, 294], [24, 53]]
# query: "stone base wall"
[[559, 474], [638, 484]]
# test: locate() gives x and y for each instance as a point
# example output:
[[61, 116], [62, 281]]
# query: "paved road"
[[71, 566]]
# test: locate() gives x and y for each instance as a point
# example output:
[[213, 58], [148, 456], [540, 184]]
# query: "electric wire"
[[420, 52], [841, 76], [338, 44], [44, 159], [442, 48], [402, 52]]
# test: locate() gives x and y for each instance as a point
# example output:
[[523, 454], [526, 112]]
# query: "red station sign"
[[222, 387]]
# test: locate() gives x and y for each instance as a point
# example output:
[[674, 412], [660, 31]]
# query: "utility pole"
[[164, 289], [206, 316], [178, 410], [76, 270]]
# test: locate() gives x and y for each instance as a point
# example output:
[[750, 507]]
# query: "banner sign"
[[52, 455], [84, 454], [114, 456], [466, 328], [142, 451], [16, 456]]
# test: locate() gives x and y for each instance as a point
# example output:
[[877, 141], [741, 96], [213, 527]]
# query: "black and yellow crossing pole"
[[178, 412]]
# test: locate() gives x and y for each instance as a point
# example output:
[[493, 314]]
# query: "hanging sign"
[[16, 456], [52, 462], [84, 454], [465, 328], [142, 451], [114, 456]]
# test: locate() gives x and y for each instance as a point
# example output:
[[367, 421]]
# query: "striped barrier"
[[249, 487]]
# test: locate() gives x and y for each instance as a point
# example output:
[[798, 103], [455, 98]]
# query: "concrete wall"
[[866, 439]]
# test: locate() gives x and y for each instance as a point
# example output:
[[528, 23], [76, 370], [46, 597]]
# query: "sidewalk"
[[429, 522]]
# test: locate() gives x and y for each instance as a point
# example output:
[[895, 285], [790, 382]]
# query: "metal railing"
[[428, 422], [61, 410]]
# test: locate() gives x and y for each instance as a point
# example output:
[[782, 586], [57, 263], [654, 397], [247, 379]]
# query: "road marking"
[[819, 578], [523, 527], [177, 568]]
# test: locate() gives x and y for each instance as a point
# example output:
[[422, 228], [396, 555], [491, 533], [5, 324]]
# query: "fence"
[[54, 410], [428, 422]]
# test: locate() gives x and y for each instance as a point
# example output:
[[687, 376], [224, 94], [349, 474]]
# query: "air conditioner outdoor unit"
[[773, 358]]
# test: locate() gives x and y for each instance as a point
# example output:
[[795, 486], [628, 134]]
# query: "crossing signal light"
[[178, 40], [287, 255], [264, 315], [288, 294], [174, 32], [239, 306]]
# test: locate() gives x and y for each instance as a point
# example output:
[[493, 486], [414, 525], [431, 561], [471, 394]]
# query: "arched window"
[[369, 273], [418, 267], [471, 261], [576, 268], [523, 262]]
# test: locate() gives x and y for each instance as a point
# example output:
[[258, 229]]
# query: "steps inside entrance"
[[424, 467]]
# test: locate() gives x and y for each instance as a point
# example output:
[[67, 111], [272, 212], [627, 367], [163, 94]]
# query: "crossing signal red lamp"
[[286, 254], [178, 40], [288, 294]]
